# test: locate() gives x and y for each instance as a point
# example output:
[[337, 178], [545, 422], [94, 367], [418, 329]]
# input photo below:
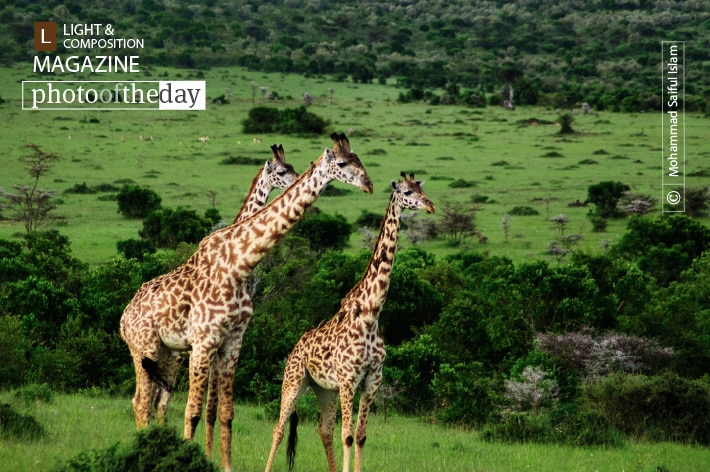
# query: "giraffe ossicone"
[[347, 351], [203, 305]]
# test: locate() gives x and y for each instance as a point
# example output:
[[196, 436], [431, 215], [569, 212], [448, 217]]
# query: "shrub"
[[14, 425], [666, 407], [369, 219], [523, 211], [137, 202], [167, 228], [34, 392], [461, 183], [462, 395], [155, 448], [286, 121], [519, 428], [324, 231]]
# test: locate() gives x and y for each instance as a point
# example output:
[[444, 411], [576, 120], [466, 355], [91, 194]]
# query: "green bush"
[[519, 428], [287, 121], [523, 211], [462, 394], [324, 231], [34, 392], [666, 407], [14, 425], [154, 449], [137, 202]]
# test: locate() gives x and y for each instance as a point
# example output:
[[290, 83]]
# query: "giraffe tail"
[[292, 440], [153, 370]]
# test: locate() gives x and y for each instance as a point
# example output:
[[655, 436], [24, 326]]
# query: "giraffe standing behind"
[[272, 175], [197, 306], [347, 351]]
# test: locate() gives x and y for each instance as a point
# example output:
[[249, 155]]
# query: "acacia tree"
[[29, 203], [458, 221]]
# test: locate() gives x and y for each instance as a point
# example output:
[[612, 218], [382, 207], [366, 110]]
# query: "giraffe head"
[[280, 174], [409, 195], [344, 165]]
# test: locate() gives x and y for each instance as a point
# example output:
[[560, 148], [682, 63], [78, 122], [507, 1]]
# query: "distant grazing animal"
[[203, 139], [197, 306], [347, 351]]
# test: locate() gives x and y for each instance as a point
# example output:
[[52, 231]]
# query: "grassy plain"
[[83, 422], [512, 157]]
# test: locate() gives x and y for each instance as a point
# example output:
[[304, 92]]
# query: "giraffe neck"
[[256, 197], [372, 289], [239, 248]]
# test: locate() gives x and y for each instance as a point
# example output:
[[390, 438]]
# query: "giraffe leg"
[[292, 388], [211, 407], [200, 361], [347, 395], [371, 384], [225, 366], [169, 364], [145, 391], [328, 402]]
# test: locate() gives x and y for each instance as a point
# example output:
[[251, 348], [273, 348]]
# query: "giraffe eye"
[[341, 164], [281, 173], [407, 193]]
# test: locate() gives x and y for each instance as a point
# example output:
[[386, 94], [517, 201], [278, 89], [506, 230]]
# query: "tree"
[[696, 200], [605, 195], [458, 221], [31, 204], [137, 202], [566, 120], [167, 228], [324, 231]]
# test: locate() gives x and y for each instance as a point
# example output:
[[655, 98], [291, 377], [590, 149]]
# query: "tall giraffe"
[[197, 306], [347, 351], [272, 175]]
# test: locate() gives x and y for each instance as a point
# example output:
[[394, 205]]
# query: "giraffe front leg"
[[328, 403], [225, 392], [200, 361], [367, 396], [347, 395], [211, 416]]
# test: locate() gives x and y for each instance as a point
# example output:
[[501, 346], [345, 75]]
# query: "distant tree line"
[[560, 55]]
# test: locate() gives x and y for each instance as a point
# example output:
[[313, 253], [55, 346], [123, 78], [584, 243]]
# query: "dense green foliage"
[[136, 202], [287, 121], [555, 54], [156, 448], [473, 340]]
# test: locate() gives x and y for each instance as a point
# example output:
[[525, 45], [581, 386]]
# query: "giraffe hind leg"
[[154, 372], [291, 391]]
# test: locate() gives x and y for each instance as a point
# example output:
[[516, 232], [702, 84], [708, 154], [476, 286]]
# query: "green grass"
[[495, 151], [82, 422]]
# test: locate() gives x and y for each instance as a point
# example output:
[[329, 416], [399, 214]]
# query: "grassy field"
[[83, 422], [515, 158]]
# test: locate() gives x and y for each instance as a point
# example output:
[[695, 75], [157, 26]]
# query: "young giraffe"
[[272, 175], [197, 306], [347, 350]]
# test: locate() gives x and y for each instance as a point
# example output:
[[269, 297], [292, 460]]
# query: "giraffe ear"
[[267, 167], [394, 184], [421, 182], [328, 154]]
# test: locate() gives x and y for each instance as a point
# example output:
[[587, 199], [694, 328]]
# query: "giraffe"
[[347, 351], [197, 306], [272, 175]]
